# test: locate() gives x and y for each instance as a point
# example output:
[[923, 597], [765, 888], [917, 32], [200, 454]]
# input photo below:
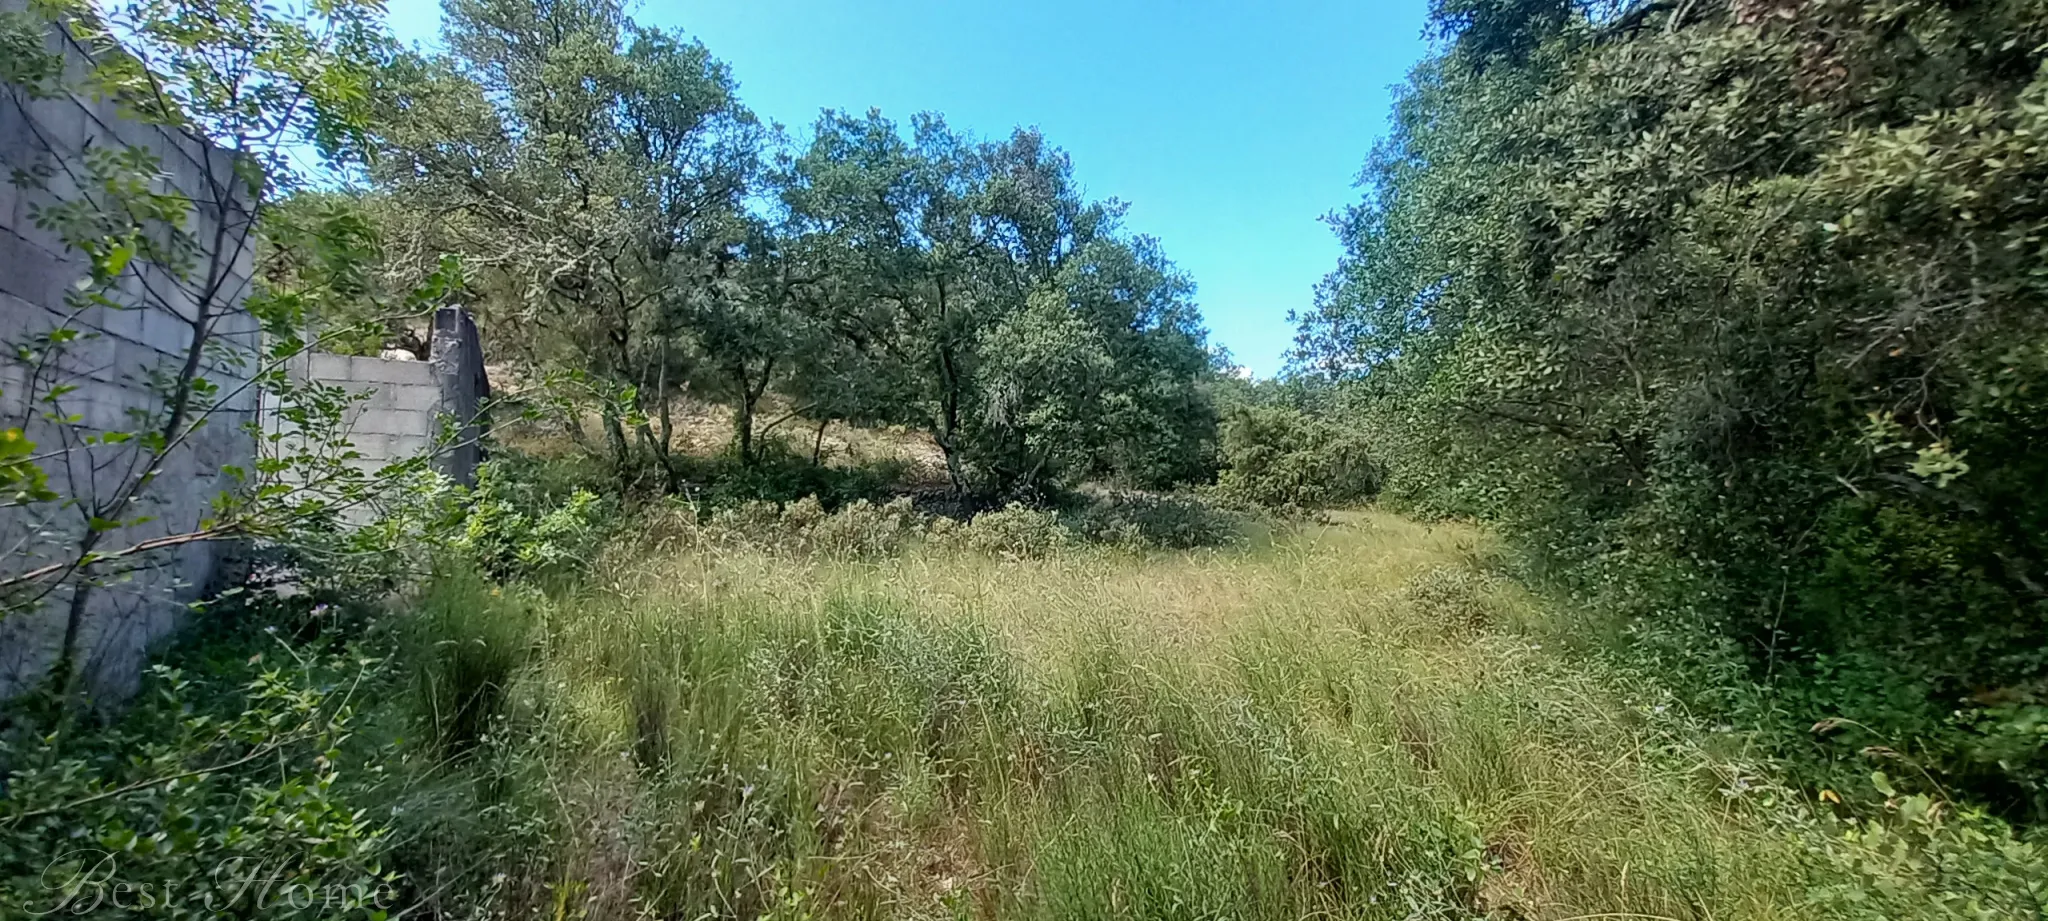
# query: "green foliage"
[[510, 530], [1923, 858], [778, 474], [1726, 313], [1281, 457], [1000, 310], [209, 796], [1016, 532], [464, 640], [857, 530], [1141, 521]]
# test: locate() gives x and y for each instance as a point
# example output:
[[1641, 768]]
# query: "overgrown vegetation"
[[1724, 316], [1731, 315], [1361, 718]]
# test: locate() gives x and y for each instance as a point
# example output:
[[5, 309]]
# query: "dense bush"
[[1732, 314], [1016, 531], [1282, 457], [777, 474], [233, 788], [511, 528], [858, 530], [867, 530], [1139, 521]]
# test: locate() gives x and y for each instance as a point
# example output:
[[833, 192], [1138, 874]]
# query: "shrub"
[[214, 796], [1453, 597], [1922, 858], [780, 475], [510, 529], [859, 530], [863, 530], [1017, 531], [1137, 520], [1281, 457]]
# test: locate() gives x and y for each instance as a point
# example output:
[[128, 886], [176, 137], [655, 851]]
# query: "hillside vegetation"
[[1360, 719], [1647, 526]]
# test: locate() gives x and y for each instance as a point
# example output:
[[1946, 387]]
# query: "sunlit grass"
[[1353, 721]]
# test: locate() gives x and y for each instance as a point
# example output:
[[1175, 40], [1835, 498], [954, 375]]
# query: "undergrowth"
[[1363, 720]]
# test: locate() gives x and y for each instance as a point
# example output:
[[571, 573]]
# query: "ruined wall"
[[111, 364], [407, 408], [109, 379]]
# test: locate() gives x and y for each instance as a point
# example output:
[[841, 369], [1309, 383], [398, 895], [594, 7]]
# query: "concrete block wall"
[[119, 354], [119, 350], [402, 409], [397, 414]]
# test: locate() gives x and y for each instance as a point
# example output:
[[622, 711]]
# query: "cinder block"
[[165, 331], [416, 398], [18, 146], [369, 402], [135, 366], [394, 371], [240, 329], [401, 447], [10, 195], [326, 368], [370, 444], [394, 422], [61, 124], [33, 273], [13, 387], [124, 324], [105, 411], [156, 288], [93, 356]]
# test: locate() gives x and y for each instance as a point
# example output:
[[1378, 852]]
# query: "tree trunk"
[[68, 675], [615, 436], [818, 443], [743, 424], [949, 399]]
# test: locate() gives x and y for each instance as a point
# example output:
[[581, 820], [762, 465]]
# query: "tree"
[[757, 328], [1737, 301], [1007, 317], [590, 171]]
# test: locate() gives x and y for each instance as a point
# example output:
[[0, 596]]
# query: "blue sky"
[[1229, 126]]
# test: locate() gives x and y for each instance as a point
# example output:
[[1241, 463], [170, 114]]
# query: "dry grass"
[[705, 429], [1352, 721]]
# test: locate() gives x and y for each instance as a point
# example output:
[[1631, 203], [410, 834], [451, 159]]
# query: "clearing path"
[[1356, 720]]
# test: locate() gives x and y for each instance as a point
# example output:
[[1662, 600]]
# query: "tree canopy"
[[630, 228], [1733, 313]]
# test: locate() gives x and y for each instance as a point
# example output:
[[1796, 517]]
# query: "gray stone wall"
[[111, 364], [109, 380], [397, 413], [405, 408]]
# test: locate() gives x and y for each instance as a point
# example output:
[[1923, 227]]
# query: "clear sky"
[[1229, 126]]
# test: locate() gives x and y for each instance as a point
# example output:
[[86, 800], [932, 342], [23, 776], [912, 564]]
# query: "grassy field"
[[1356, 720]]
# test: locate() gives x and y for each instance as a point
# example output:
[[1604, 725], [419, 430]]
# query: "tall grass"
[[1355, 721]]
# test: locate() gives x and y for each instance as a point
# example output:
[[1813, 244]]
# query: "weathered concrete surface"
[[114, 365], [111, 366], [404, 409]]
